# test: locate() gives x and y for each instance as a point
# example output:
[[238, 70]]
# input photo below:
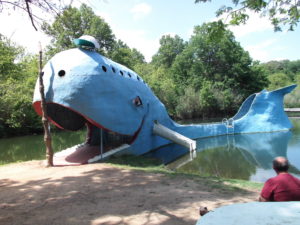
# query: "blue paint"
[[259, 213], [262, 147], [106, 99]]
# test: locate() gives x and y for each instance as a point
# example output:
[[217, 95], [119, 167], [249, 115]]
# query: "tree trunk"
[[47, 135]]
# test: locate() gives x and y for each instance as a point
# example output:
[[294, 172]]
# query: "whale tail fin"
[[264, 112], [263, 100], [285, 90]]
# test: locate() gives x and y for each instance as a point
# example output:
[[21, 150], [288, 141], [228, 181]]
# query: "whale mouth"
[[68, 119]]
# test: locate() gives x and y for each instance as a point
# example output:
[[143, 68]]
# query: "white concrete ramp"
[[173, 136]]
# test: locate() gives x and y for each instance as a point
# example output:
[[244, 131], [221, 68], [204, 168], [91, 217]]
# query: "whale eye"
[[61, 73], [137, 101]]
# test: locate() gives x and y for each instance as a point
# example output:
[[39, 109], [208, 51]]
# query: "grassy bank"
[[155, 166]]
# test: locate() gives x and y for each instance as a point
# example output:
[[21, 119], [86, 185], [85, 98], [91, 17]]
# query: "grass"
[[155, 166]]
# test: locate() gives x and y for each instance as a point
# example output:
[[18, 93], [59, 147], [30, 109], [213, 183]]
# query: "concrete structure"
[[83, 87], [258, 213]]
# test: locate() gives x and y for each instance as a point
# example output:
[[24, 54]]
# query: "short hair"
[[280, 164]]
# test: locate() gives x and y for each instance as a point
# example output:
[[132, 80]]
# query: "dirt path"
[[103, 194]]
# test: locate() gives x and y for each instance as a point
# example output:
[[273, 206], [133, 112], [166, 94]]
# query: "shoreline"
[[106, 193]]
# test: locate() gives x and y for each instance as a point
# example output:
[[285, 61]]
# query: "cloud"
[[263, 50], [138, 39], [134, 38], [104, 15], [19, 29], [256, 23], [141, 10]]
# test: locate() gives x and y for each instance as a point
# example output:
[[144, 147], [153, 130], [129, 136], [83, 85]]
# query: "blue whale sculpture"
[[83, 87]]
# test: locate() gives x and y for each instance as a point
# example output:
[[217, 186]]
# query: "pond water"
[[243, 156], [32, 147]]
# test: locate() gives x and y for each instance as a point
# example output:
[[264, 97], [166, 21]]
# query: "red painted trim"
[[38, 109], [137, 132]]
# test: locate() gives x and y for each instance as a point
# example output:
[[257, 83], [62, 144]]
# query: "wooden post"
[[47, 135]]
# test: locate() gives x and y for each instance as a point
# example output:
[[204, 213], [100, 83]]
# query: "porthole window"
[[104, 68], [138, 78], [113, 69], [121, 72], [61, 73], [129, 74]]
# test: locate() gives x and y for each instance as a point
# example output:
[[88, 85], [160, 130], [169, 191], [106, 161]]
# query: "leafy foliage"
[[8, 55], [280, 12], [283, 73], [169, 48], [122, 54], [73, 23], [17, 76], [207, 76], [215, 62]]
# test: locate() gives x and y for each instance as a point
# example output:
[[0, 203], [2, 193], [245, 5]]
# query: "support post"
[[47, 135], [101, 144]]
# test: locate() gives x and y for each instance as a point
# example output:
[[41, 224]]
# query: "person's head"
[[280, 164]]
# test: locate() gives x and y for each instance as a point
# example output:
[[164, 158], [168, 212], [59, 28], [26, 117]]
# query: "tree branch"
[[29, 14]]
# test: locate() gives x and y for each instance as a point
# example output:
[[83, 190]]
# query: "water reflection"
[[243, 156], [32, 147]]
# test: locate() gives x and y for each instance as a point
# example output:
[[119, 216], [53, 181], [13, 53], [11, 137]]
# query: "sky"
[[141, 23]]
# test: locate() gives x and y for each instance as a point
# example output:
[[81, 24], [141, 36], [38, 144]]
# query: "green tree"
[[279, 12], [17, 75], [122, 54], [218, 68], [159, 79], [219, 59], [188, 106], [73, 23], [278, 80], [207, 98], [290, 68], [282, 73], [9, 54], [169, 48]]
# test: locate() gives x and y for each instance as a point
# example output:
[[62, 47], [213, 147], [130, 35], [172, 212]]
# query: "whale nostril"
[[61, 73]]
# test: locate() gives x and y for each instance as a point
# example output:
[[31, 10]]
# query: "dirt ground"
[[103, 194]]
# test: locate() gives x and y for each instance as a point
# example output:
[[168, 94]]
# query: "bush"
[[292, 100]]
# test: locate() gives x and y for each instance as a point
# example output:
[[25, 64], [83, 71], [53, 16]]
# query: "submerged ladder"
[[173, 136], [229, 123]]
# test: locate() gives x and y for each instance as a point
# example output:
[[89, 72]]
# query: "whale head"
[[82, 86]]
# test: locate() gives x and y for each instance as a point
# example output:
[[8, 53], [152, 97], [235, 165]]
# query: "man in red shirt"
[[283, 187]]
